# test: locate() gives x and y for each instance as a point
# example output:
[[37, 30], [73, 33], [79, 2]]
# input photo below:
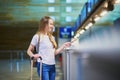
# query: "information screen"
[[89, 7], [96, 1], [77, 23], [84, 12]]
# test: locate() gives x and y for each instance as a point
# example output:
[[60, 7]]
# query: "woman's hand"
[[36, 56], [67, 44]]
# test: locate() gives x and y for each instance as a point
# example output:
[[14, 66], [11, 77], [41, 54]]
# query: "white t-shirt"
[[46, 49]]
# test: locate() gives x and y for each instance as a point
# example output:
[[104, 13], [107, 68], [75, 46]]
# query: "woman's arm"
[[30, 52], [65, 45]]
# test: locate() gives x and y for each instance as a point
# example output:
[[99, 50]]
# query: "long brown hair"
[[41, 29]]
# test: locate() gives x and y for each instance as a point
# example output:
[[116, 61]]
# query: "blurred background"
[[92, 25]]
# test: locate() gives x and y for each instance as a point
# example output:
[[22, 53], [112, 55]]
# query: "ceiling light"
[[77, 35], [117, 1], [89, 25], [96, 18], [105, 4], [82, 31], [103, 12]]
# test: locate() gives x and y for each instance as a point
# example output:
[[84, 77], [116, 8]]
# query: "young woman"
[[47, 48]]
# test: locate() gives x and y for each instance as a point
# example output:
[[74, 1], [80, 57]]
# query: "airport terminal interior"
[[92, 27]]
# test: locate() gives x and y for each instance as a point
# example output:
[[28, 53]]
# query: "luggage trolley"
[[31, 71]]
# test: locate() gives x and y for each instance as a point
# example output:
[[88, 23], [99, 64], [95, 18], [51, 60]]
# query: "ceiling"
[[28, 12], [19, 19]]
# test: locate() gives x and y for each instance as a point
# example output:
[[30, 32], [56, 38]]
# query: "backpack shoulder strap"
[[38, 41]]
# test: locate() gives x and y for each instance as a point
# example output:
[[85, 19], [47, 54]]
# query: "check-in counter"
[[72, 67], [95, 56]]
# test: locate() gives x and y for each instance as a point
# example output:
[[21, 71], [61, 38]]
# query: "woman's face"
[[50, 26]]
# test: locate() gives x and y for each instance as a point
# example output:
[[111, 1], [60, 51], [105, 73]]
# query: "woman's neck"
[[43, 33]]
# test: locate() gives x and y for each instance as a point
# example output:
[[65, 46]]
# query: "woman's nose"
[[52, 27]]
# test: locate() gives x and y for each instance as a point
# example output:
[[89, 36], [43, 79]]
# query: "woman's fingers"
[[67, 44]]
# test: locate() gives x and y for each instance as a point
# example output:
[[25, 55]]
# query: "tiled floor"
[[20, 70]]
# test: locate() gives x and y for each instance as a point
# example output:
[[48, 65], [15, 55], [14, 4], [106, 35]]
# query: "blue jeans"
[[48, 71]]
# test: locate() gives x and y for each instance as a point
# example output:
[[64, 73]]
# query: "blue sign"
[[65, 32]]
